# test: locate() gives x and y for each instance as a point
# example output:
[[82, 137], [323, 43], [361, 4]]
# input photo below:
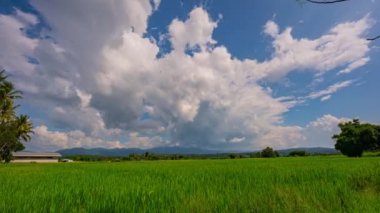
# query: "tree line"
[[268, 152]]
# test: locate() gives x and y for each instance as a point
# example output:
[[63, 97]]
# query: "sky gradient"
[[221, 75]]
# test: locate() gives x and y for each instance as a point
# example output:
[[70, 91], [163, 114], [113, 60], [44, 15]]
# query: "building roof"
[[36, 154]]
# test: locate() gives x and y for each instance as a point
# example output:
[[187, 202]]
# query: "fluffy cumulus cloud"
[[320, 131], [16, 47], [46, 139], [342, 46], [197, 30], [99, 78]]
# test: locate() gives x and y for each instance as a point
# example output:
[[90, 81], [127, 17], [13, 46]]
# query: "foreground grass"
[[311, 184]]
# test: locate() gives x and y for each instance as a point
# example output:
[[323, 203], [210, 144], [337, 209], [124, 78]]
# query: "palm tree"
[[24, 127], [8, 91], [7, 96], [2, 75], [13, 129]]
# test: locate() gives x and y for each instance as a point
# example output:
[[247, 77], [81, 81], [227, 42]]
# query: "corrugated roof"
[[36, 154]]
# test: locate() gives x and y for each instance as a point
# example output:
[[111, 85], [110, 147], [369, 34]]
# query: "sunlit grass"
[[310, 184]]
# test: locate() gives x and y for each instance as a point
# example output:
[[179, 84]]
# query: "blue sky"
[[223, 75]]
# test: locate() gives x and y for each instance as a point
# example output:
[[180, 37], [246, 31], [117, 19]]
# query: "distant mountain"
[[311, 150], [100, 151], [128, 151], [175, 150], [180, 150]]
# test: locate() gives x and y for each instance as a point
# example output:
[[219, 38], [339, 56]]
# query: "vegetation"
[[131, 157], [154, 156], [13, 129], [299, 153], [269, 153], [313, 184], [356, 137]]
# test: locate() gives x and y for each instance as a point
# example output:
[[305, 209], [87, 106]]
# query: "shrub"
[[298, 153], [269, 153]]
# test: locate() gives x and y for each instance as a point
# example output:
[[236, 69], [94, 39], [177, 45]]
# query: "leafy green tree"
[[355, 138], [269, 153], [13, 129]]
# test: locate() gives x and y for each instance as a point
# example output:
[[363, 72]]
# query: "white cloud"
[[136, 140], [354, 65], [325, 98], [237, 140], [156, 4], [271, 28], [326, 123], [197, 30], [281, 137], [26, 18], [86, 119], [100, 77], [84, 97], [319, 132], [15, 45], [46, 140], [342, 46], [326, 93]]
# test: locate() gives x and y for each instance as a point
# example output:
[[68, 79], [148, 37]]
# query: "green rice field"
[[303, 184]]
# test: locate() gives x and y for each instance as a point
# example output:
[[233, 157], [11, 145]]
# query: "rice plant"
[[309, 184]]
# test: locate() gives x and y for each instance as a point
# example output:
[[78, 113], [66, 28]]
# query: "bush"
[[233, 155], [269, 153], [255, 155], [298, 153]]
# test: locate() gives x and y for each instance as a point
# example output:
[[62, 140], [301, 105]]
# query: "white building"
[[36, 157]]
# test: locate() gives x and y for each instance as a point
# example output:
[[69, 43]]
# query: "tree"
[[298, 153], [13, 129], [333, 2], [269, 153], [355, 138]]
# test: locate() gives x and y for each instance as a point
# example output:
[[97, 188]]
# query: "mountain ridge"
[[177, 150]]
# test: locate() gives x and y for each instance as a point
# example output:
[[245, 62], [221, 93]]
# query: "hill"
[[311, 150], [175, 150], [128, 151]]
